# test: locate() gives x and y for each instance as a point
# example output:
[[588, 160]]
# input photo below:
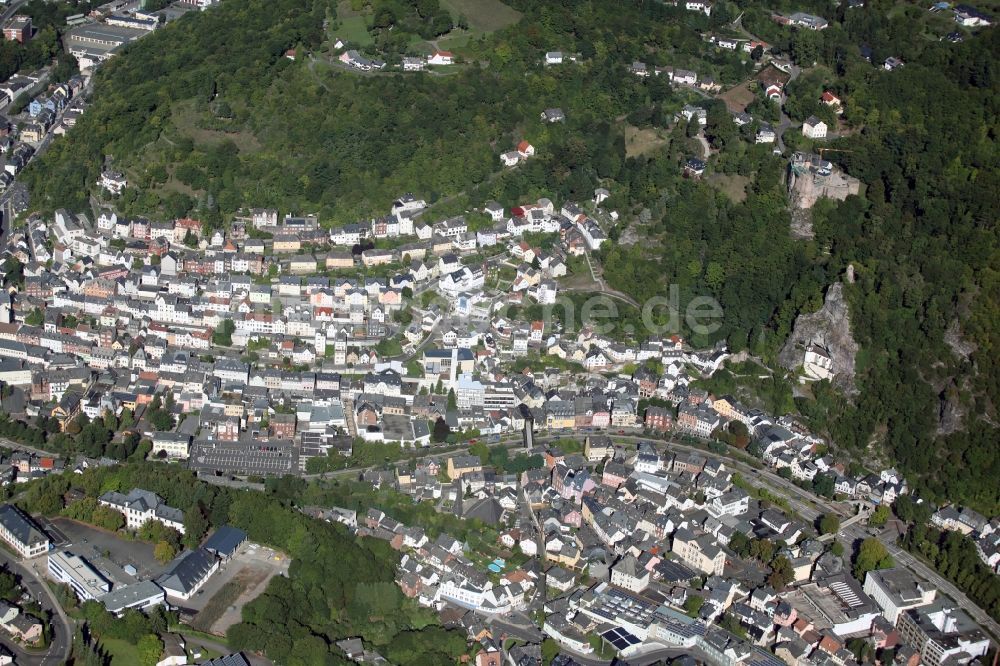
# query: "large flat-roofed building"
[[897, 590], [838, 603], [18, 29], [142, 595], [275, 457], [86, 581], [94, 43], [942, 634], [20, 531], [137, 22]]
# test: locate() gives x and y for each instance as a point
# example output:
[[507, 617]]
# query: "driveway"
[[785, 121]]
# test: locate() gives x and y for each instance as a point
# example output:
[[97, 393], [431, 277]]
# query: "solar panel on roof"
[[619, 638]]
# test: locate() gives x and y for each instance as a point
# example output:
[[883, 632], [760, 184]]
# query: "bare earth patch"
[[245, 581], [257, 582], [219, 604], [738, 99]]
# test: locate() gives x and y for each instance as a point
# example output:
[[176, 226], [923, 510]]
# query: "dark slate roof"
[[144, 500], [187, 570], [21, 525], [225, 541], [236, 659], [487, 510]]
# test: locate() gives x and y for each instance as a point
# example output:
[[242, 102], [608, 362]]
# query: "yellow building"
[[459, 465]]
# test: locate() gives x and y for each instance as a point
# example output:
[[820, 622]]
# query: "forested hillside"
[[229, 54], [924, 240], [208, 115]]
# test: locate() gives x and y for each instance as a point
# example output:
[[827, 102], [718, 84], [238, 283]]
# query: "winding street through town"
[[62, 628], [807, 505]]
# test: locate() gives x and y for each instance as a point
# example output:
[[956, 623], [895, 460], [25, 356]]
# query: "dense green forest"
[[215, 125], [337, 586], [206, 115]]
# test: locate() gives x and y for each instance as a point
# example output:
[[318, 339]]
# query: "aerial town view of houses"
[[456, 395], [631, 524]]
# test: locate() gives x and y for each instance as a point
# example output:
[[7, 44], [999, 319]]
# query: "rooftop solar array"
[[620, 639]]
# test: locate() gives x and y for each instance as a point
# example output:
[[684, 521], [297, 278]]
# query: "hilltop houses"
[[441, 58], [114, 182]]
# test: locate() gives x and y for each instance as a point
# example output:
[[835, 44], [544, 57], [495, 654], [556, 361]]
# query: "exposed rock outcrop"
[[829, 329], [951, 413]]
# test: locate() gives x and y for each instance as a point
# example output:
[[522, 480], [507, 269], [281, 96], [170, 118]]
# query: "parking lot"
[[108, 552]]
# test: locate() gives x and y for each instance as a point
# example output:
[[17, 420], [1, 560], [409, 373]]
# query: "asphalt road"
[[17, 446], [6, 198], [11, 10], [802, 501], [62, 629], [856, 533]]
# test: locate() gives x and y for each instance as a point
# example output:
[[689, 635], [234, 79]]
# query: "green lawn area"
[[602, 649], [122, 653], [455, 39], [354, 29], [483, 15]]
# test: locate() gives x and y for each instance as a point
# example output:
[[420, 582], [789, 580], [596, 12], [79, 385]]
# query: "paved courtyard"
[[108, 552]]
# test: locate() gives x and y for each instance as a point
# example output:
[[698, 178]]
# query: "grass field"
[[344, 9], [354, 29], [185, 118], [641, 141], [122, 653], [483, 15], [455, 39], [733, 186]]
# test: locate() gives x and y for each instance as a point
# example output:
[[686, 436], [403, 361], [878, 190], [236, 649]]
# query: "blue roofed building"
[[225, 542]]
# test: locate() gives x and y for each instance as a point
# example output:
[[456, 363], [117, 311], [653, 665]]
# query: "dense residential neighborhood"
[[418, 332], [177, 336], [622, 553]]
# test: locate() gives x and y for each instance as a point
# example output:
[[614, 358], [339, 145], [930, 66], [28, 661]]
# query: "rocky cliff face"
[[830, 327], [951, 413]]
